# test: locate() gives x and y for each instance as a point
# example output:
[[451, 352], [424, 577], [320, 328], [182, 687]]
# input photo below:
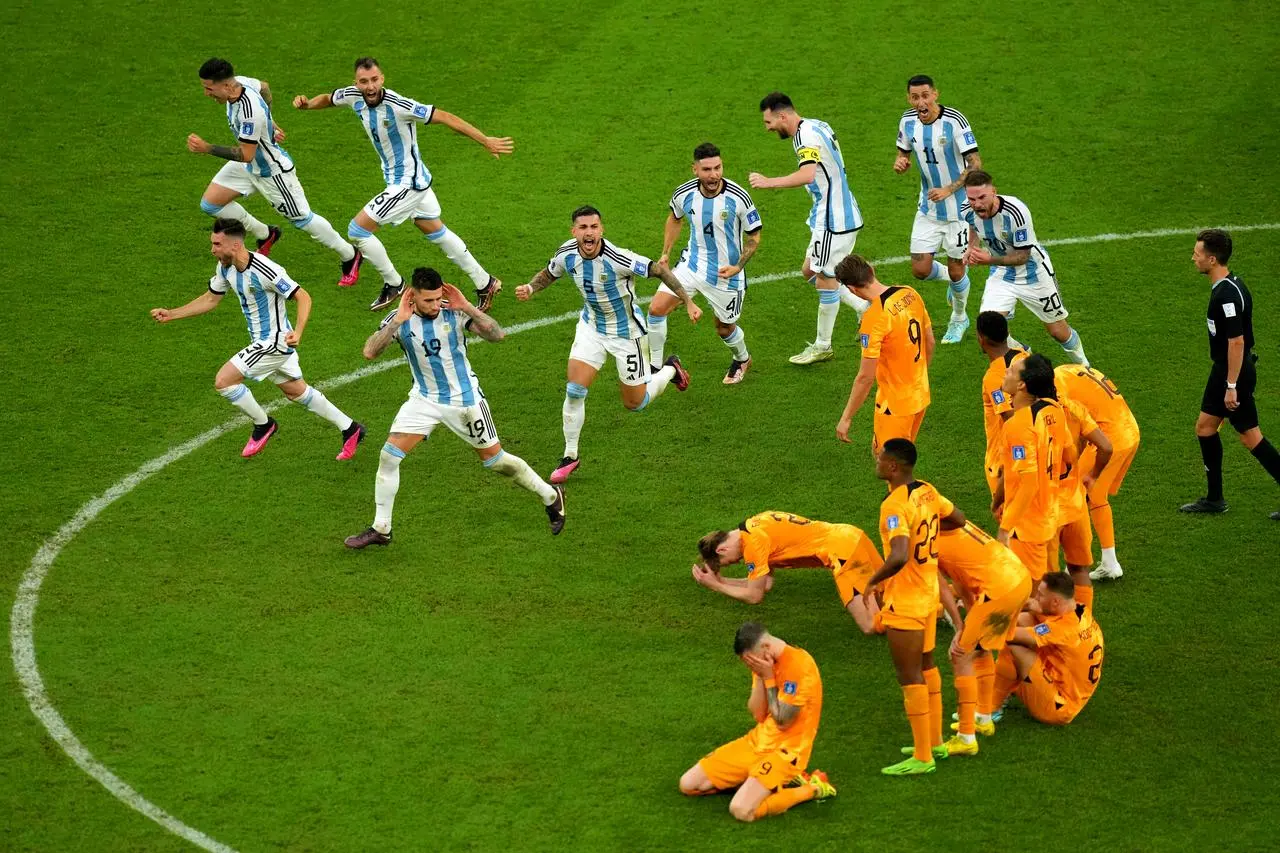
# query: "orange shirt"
[[776, 540], [893, 331], [978, 563], [995, 403], [796, 677], [1071, 649], [1073, 500], [913, 511], [1102, 398], [1037, 447]]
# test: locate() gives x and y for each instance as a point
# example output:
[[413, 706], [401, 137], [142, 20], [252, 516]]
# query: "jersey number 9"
[[914, 335]]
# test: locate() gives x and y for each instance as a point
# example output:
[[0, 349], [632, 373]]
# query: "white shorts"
[[1041, 299], [929, 236], [283, 191], [727, 304], [827, 249], [396, 204], [631, 356], [260, 360], [473, 424]]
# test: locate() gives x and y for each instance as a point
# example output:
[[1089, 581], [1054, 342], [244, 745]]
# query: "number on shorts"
[[476, 429], [1095, 670], [962, 239], [735, 303], [377, 200], [927, 531], [431, 347], [914, 335], [633, 365], [1051, 304]]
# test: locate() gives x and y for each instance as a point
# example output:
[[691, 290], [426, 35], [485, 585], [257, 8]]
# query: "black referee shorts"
[[1245, 417]]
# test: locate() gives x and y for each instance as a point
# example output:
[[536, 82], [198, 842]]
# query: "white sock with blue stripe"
[[374, 252], [510, 465], [657, 383], [828, 308], [849, 299], [252, 224], [657, 338], [938, 273], [1074, 349], [385, 486], [575, 415], [737, 344], [242, 398], [959, 297], [322, 232], [318, 404], [456, 250]]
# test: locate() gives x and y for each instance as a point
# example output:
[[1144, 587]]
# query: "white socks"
[[737, 344], [242, 398], [510, 465], [386, 485], [456, 250], [850, 300], [1109, 558], [374, 252], [828, 308], [657, 338], [318, 404], [1074, 349], [959, 298], [656, 385], [938, 273], [253, 225], [322, 232], [575, 414]]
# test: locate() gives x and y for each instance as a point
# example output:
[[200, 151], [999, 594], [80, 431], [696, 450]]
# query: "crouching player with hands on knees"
[[767, 764]]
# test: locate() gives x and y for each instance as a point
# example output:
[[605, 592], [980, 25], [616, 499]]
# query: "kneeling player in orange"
[[995, 585], [1054, 664], [910, 519], [767, 764], [774, 540]]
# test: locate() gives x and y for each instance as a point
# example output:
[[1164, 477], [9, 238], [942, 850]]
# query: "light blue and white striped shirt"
[[250, 120], [834, 207], [605, 282], [717, 227], [1011, 228], [437, 354], [392, 127], [940, 148], [262, 287]]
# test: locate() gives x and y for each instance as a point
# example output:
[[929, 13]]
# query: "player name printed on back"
[[900, 305]]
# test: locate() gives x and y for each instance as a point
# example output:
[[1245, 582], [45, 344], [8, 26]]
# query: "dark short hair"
[[1037, 375], [217, 70], [748, 637], [704, 151], [585, 210], [979, 179], [229, 228], [366, 62], [1060, 584], [426, 278], [1217, 243], [707, 546], [901, 449], [920, 80], [776, 101], [854, 270], [993, 326]]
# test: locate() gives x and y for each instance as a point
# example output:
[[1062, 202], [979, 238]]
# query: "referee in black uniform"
[[1228, 395]]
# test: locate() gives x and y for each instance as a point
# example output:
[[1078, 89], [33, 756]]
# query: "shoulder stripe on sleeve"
[[738, 193], [566, 248], [246, 104], [264, 267], [617, 256], [398, 100], [685, 187], [1015, 208], [956, 115], [909, 114]]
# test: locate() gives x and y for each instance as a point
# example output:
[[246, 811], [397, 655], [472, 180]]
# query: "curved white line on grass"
[[22, 620]]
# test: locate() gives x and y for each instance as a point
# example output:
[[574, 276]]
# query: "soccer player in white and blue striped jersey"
[[430, 325], [1020, 267], [391, 122], [610, 325], [257, 163], [724, 233], [263, 289], [834, 219], [945, 151]]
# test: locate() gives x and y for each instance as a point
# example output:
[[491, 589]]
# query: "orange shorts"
[[928, 624], [859, 560], [885, 427], [1077, 541], [736, 762], [1034, 555], [990, 623], [1112, 476], [1039, 693]]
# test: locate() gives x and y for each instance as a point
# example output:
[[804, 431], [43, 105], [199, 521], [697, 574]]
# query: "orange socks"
[[915, 698], [933, 681], [776, 804], [1006, 680], [1103, 525], [967, 698], [984, 669]]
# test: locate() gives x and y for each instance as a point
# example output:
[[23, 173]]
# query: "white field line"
[[22, 620]]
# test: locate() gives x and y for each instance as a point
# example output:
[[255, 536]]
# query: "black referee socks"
[[1211, 452], [1265, 452]]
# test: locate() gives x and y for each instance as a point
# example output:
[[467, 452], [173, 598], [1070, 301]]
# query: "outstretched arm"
[[664, 273], [319, 102], [541, 281], [495, 145], [202, 304], [798, 178]]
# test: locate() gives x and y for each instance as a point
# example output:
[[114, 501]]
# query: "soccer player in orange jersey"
[[897, 346], [1037, 454], [767, 764], [993, 339], [994, 585], [910, 519], [1074, 533], [1054, 663], [775, 540], [1107, 406]]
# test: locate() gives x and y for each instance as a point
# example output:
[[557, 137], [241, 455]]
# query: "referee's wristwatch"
[[1231, 386]]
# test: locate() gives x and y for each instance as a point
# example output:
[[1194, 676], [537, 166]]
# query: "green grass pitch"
[[479, 685]]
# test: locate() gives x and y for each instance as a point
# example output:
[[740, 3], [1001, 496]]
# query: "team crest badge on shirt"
[[1020, 236], [724, 215], [942, 140], [789, 688], [1042, 629], [1019, 451], [997, 396], [246, 128], [445, 327], [892, 522]]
